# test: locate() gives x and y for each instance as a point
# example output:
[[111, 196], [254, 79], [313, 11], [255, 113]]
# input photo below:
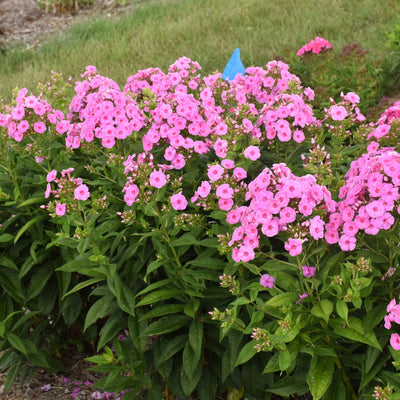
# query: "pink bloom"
[[331, 236], [239, 173], [225, 204], [81, 192], [338, 113], [375, 209], [228, 164], [246, 254], [46, 388], [60, 209], [395, 341], [347, 243], [204, 189], [252, 153], [51, 175], [215, 172], [157, 179], [178, 201], [131, 192], [308, 272], [224, 191], [287, 215], [267, 281], [294, 246], [39, 127], [271, 228]]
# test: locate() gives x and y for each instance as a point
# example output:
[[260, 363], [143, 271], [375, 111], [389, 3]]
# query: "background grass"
[[156, 33]]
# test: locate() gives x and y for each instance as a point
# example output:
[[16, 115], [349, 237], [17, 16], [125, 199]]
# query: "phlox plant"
[[235, 239], [330, 71]]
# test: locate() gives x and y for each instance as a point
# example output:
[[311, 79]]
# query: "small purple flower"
[[267, 281], [308, 272], [64, 379], [301, 297], [46, 388]]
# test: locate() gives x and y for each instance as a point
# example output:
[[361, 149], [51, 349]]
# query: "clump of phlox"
[[368, 198], [279, 201], [315, 46]]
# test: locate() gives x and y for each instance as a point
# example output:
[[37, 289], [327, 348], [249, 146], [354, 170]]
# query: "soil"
[[23, 22]]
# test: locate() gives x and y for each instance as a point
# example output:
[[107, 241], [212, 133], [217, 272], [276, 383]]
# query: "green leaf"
[[82, 285], [7, 262], [16, 342], [6, 237], [189, 383], [288, 386], [154, 286], [337, 389], [320, 375], [28, 225], [169, 348], [354, 331], [189, 363], [248, 351], [159, 295], [162, 310], [81, 264], [39, 280], [184, 240], [282, 299], [342, 309], [284, 360], [166, 325], [98, 310], [323, 309], [196, 339], [32, 200]]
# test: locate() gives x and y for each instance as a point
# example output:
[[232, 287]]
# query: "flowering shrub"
[[235, 239]]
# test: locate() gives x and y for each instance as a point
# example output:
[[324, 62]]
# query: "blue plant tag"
[[233, 67]]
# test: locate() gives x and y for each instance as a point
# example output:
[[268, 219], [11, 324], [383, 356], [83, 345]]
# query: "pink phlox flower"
[[157, 179], [308, 272], [317, 227], [178, 201], [246, 253], [224, 191], [347, 243], [60, 209], [301, 297], [337, 113], [252, 153], [294, 246], [215, 172], [46, 388], [204, 189], [395, 341], [81, 192], [267, 280]]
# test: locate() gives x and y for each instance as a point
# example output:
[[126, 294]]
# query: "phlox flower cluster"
[[369, 196], [315, 46], [391, 113], [279, 201], [346, 109], [68, 190], [189, 117], [101, 110], [383, 127], [393, 316], [30, 115]]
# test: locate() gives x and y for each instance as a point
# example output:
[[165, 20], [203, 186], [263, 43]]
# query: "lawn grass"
[[156, 33]]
